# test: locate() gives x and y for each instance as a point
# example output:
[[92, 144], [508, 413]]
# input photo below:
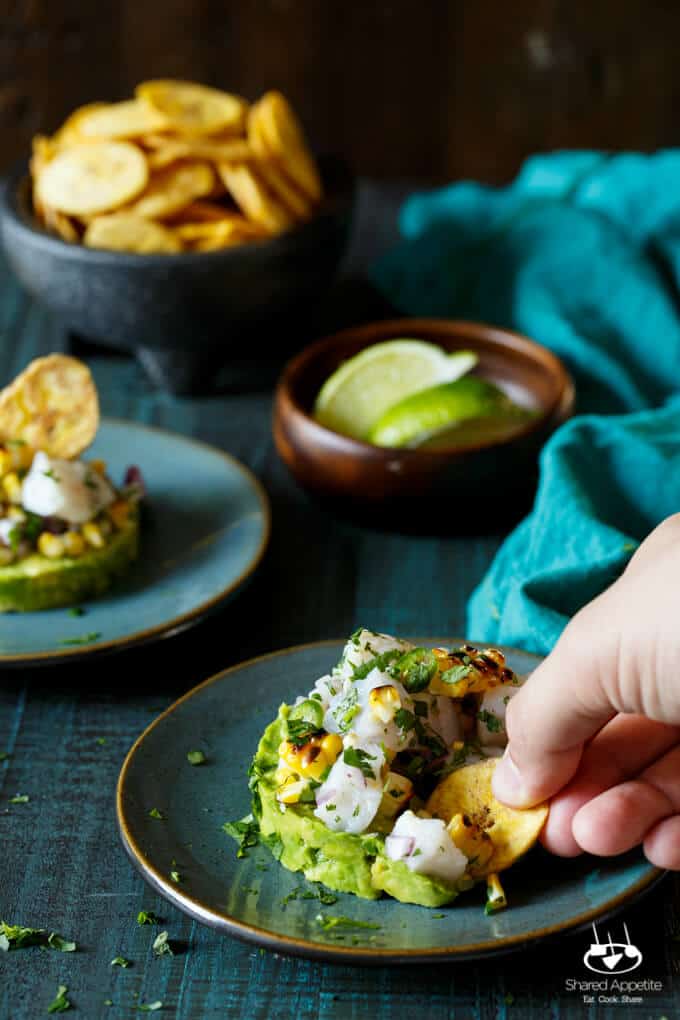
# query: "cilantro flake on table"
[[147, 917], [330, 921], [120, 961], [246, 832], [149, 1007], [76, 611], [4, 755], [59, 1003], [155, 813], [161, 945], [196, 757], [19, 798], [15, 936], [176, 877]]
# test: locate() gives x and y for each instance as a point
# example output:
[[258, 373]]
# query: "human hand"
[[597, 725]]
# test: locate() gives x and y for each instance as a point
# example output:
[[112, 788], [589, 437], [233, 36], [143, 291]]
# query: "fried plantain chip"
[[125, 231], [129, 119], [170, 190], [279, 185], [61, 224], [92, 177], [252, 197], [274, 128], [194, 109], [467, 792], [211, 235], [235, 150], [204, 211], [52, 406], [69, 132]]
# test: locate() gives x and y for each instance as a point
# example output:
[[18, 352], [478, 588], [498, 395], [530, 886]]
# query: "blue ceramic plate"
[[224, 717], [205, 532]]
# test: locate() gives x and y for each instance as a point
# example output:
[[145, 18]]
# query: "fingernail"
[[507, 782]]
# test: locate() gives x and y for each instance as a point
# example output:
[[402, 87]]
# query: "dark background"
[[432, 90]]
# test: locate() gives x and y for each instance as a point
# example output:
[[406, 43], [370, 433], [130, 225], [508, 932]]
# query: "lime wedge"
[[363, 388], [425, 414]]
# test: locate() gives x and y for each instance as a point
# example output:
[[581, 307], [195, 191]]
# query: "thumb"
[[560, 706]]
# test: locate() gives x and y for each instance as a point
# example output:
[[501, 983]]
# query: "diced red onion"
[[134, 479], [323, 797], [399, 847]]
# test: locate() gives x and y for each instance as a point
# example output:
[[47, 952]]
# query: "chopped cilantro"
[[300, 731], [82, 639], [161, 946], [120, 961], [101, 741], [356, 811], [176, 877], [417, 852], [274, 843], [14, 536], [438, 916], [59, 1003], [456, 673], [19, 798], [416, 668], [404, 719], [15, 936], [195, 757], [147, 917], [50, 474], [155, 813], [329, 921], [359, 759], [331, 807], [491, 721], [380, 662], [76, 611], [346, 710], [354, 638], [108, 1002], [150, 1007], [246, 832], [4, 755]]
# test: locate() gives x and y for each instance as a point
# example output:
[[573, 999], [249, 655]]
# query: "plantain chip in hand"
[[467, 792], [194, 109], [253, 199], [92, 177], [51, 406], [129, 119], [127, 232], [170, 190], [273, 127]]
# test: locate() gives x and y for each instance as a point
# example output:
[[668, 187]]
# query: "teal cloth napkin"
[[582, 253]]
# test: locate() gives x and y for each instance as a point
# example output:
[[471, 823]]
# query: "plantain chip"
[[92, 177], [69, 132], [125, 231], [194, 109], [236, 150], [172, 189], [278, 184], [129, 119], [275, 129], [467, 792], [52, 406], [205, 211], [210, 235], [61, 224], [253, 199]]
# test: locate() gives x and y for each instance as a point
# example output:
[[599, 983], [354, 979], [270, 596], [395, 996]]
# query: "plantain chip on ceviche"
[[66, 530], [375, 782]]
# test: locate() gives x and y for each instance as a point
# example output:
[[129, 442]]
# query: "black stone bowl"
[[186, 315]]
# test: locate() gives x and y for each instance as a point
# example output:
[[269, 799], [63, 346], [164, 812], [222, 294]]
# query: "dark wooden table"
[[67, 730]]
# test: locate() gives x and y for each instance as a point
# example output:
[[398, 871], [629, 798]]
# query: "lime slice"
[[363, 388], [423, 415]]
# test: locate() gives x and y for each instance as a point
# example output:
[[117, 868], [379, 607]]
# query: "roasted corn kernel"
[[12, 486], [472, 841], [397, 791], [51, 546], [291, 791], [313, 758], [384, 702], [495, 895], [74, 543], [5, 460], [92, 533], [119, 513], [20, 455]]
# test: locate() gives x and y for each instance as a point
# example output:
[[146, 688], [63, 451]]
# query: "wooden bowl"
[[457, 488]]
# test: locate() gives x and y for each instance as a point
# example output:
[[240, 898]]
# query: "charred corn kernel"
[[397, 791], [99, 466], [291, 791], [92, 534], [12, 486], [384, 702], [119, 513], [458, 745], [51, 546], [472, 841], [5, 460], [495, 895], [74, 543], [16, 513], [311, 759]]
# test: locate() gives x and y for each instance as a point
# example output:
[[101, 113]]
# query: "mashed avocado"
[[340, 860], [37, 582]]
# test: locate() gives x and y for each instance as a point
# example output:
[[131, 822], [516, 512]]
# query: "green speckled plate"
[[204, 534], [224, 717]]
